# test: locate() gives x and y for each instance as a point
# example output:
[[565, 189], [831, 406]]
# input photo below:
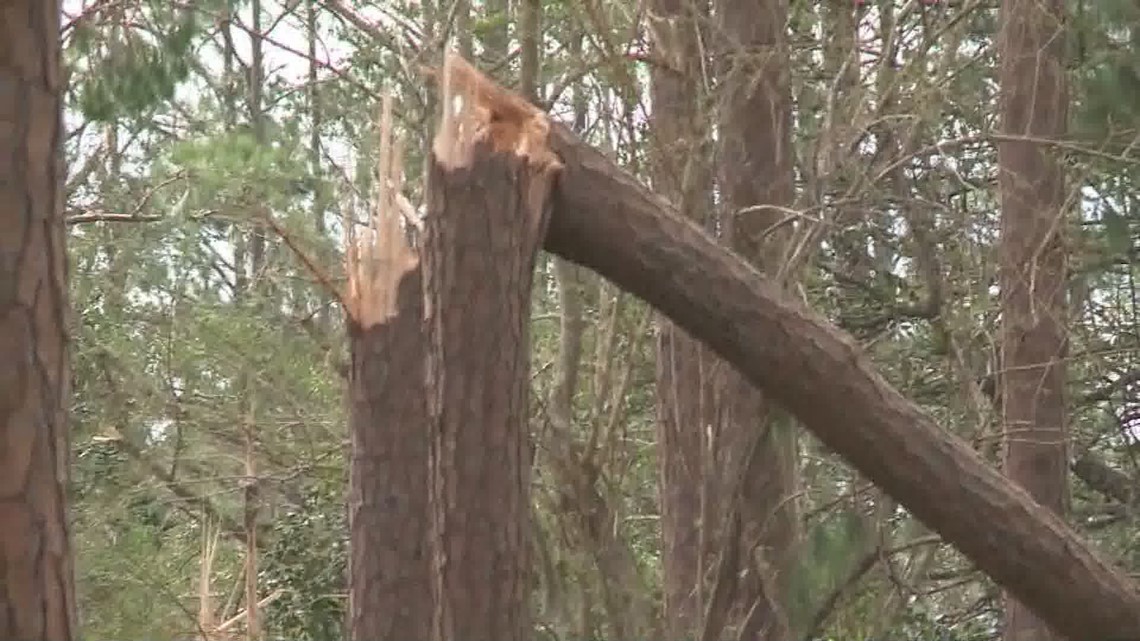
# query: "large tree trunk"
[[758, 447], [679, 170], [1034, 103], [37, 586], [389, 560], [488, 203], [604, 219]]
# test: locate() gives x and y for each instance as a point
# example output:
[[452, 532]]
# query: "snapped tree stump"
[[389, 596], [487, 211]]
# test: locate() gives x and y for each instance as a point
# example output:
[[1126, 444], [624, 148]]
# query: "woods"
[[703, 318]]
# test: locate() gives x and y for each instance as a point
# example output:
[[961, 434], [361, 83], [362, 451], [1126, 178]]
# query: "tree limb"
[[107, 217]]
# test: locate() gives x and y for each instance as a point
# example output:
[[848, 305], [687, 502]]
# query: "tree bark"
[[755, 168], [487, 211], [680, 171], [390, 594], [37, 584], [602, 218], [1034, 102], [390, 569]]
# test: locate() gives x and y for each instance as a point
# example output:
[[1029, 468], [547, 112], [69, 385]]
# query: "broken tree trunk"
[[389, 595], [487, 208], [604, 219]]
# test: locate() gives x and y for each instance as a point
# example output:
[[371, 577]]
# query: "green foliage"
[[1117, 232], [232, 169], [831, 551], [308, 562], [131, 70], [918, 623]]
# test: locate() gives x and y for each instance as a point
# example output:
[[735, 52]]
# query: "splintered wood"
[[476, 110], [379, 258]]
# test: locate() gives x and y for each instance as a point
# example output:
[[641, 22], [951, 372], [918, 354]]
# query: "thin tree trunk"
[[463, 29], [37, 583], [1034, 103], [257, 286], [315, 115], [530, 43], [389, 557], [487, 212], [679, 171]]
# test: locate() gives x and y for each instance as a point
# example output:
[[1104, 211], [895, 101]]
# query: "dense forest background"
[[209, 356]]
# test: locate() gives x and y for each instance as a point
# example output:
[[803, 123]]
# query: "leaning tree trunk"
[[389, 597], [487, 209], [1034, 103], [37, 588], [602, 218]]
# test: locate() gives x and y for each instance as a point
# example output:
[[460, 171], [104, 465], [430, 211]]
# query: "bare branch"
[[107, 217]]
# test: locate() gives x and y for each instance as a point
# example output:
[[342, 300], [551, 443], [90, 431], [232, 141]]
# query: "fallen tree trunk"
[[604, 219]]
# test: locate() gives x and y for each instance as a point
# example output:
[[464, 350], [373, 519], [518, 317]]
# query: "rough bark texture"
[[1034, 103], [390, 563], [755, 168], [37, 599], [603, 219], [484, 228], [679, 172], [680, 422]]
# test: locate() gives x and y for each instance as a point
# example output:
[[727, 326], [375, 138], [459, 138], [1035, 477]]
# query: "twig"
[[107, 217], [318, 273]]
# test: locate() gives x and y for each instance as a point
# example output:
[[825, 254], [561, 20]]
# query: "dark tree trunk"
[[486, 217], [604, 219], [37, 585], [390, 595], [1034, 103], [390, 564]]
